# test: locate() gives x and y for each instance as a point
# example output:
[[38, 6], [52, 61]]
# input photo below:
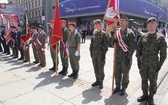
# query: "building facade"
[[34, 9]]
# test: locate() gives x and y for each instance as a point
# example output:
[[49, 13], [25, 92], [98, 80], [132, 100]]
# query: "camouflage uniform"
[[73, 41], [98, 49], [64, 59], [148, 48], [124, 59], [53, 53]]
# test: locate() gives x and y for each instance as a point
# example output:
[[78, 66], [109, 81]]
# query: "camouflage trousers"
[[122, 73], [148, 72], [98, 64], [64, 60]]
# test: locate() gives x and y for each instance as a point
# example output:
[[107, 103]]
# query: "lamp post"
[[158, 10]]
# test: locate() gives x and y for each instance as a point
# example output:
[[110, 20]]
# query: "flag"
[[25, 32], [8, 30], [112, 14], [56, 34]]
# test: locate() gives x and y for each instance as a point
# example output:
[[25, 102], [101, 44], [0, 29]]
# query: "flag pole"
[[56, 57], [114, 60]]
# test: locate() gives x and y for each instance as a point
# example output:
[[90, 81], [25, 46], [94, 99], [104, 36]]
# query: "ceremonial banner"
[[57, 32]]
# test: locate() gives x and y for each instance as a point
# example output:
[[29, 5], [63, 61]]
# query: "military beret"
[[51, 21], [152, 19], [33, 27], [72, 23], [97, 21], [64, 21], [3, 27], [124, 17], [40, 26]]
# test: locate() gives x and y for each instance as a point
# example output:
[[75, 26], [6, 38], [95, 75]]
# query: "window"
[[39, 13], [32, 4], [33, 14]]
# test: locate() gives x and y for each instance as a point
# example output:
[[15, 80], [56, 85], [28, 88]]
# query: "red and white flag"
[[112, 14]]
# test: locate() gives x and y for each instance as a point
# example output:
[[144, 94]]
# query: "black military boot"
[[96, 83], [116, 90], [75, 76], [122, 92], [65, 71], [144, 97], [150, 100], [72, 74], [53, 68], [100, 85]]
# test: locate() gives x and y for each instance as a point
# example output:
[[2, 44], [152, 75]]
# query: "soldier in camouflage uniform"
[[53, 53], [98, 49], [73, 45], [149, 46], [64, 58], [123, 57]]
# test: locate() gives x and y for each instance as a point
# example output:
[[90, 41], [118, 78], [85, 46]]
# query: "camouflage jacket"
[[129, 39], [150, 45], [99, 43]]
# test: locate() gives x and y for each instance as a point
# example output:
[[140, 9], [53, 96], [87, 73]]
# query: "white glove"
[[48, 47], [42, 49], [77, 53]]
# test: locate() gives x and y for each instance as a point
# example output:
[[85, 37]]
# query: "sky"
[[3, 1]]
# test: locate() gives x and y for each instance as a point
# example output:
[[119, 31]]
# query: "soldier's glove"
[[77, 53]]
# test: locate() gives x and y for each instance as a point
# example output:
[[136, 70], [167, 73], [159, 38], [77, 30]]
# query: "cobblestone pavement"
[[27, 84]]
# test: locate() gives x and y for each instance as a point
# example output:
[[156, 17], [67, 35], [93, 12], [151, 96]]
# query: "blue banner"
[[77, 8]]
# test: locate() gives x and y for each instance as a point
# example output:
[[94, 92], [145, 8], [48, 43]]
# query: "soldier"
[[14, 45], [19, 43], [73, 44], [53, 53], [40, 43], [33, 40], [63, 46], [6, 47], [125, 48], [98, 49], [149, 46]]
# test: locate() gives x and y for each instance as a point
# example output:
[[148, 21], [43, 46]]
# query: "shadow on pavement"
[[33, 69], [91, 95], [48, 79], [65, 83], [116, 99]]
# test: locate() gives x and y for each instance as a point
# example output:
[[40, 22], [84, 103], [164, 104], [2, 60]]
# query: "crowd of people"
[[151, 52]]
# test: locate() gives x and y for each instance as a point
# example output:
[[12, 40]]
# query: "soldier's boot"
[[53, 68], [150, 100], [122, 92], [96, 83], [116, 90], [65, 71], [72, 74], [62, 70], [75, 76], [144, 97], [100, 85]]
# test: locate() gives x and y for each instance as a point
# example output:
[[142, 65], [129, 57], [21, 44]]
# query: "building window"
[[32, 14], [32, 4], [39, 2], [36, 14], [39, 13], [35, 3]]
